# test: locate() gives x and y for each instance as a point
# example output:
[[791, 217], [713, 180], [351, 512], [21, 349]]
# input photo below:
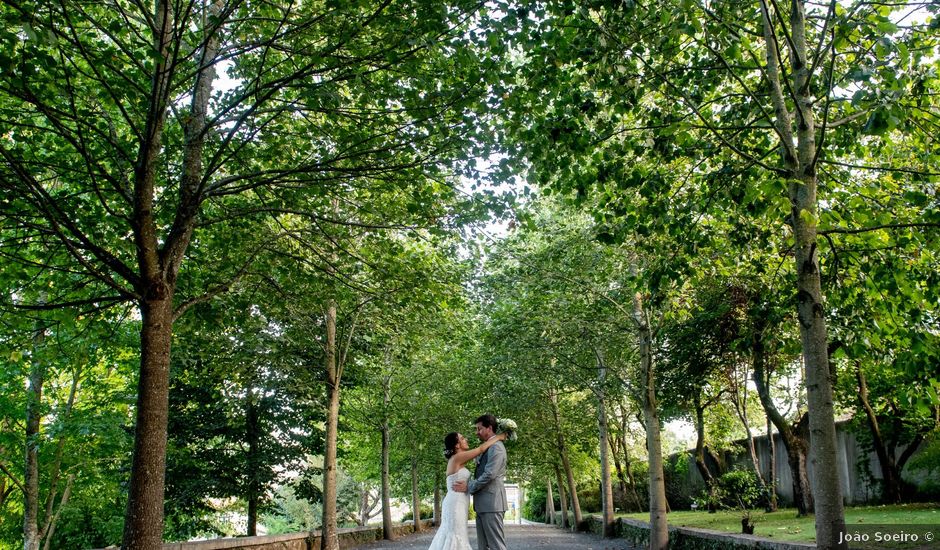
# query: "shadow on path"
[[518, 537]]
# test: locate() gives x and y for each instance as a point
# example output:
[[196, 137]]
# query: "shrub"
[[533, 509], [733, 490], [426, 513]]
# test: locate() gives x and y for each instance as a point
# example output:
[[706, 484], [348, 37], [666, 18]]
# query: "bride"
[[452, 534]]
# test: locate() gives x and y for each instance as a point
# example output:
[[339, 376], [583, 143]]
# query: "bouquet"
[[508, 427]]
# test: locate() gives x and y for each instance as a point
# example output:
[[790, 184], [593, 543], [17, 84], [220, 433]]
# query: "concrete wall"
[[348, 538], [856, 488]]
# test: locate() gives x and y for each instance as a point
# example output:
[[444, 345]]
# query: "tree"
[[124, 153], [605, 88], [238, 425], [76, 442]]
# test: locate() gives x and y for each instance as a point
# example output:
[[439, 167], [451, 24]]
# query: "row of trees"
[[760, 150], [301, 158]]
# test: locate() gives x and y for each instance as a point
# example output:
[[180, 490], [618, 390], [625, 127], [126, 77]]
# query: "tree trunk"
[[363, 519], [49, 530], [659, 531], [143, 526], [630, 481], [437, 499], [415, 494], [159, 266], [618, 466], [801, 444], [563, 452], [52, 514], [891, 488], [253, 435], [37, 374], [700, 463], [795, 446], [329, 540], [772, 475], [387, 532], [799, 157], [572, 492], [740, 407], [521, 503], [562, 499], [549, 503], [607, 497]]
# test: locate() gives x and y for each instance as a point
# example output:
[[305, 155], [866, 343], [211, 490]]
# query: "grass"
[[783, 524]]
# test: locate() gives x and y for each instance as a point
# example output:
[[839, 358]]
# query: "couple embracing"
[[489, 494]]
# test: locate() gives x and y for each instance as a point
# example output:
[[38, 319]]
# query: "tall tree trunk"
[[37, 374], [566, 464], [388, 532], [52, 514], [521, 503], [159, 265], [562, 498], [799, 157], [772, 475], [549, 503], [363, 506], [143, 526], [801, 443], [615, 452], [49, 530], [700, 463], [891, 489], [795, 446], [253, 434], [659, 529], [739, 396], [607, 497], [629, 483], [328, 536], [415, 494], [437, 499], [572, 492]]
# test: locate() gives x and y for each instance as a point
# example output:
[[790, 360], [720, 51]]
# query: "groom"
[[489, 494]]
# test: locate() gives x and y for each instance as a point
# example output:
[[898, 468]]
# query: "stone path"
[[518, 537]]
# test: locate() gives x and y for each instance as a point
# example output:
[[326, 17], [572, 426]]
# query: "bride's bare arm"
[[468, 455]]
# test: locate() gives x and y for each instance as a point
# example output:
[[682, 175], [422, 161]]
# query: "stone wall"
[[348, 538]]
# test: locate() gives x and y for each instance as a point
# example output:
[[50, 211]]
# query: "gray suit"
[[489, 497]]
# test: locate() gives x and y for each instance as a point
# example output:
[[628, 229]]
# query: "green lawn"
[[784, 525]]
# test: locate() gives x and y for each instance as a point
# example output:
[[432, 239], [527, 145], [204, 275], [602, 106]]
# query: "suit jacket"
[[487, 487]]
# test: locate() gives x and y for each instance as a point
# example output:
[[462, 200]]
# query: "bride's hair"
[[450, 444]]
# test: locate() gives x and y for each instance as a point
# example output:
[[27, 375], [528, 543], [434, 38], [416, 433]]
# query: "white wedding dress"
[[452, 534]]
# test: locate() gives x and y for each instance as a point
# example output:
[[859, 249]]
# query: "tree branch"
[[12, 477], [877, 228]]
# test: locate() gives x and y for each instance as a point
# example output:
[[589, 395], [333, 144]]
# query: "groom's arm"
[[495, 467]]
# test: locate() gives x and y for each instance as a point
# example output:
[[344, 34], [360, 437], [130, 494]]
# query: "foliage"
[[426, 512], [291, 514], [536, 498], [87, 441], [738, 489]]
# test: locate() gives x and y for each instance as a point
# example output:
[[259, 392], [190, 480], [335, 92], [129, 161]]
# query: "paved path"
[[518, 537]]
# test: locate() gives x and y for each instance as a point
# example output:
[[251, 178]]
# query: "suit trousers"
[[490, 534]]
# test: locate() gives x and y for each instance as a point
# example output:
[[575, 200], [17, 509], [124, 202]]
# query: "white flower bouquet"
[[508, 427]]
